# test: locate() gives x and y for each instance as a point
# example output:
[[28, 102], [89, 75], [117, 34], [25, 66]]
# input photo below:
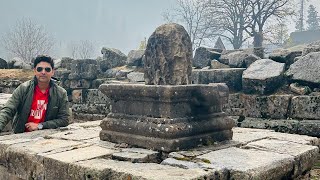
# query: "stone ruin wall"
[[284, 111]]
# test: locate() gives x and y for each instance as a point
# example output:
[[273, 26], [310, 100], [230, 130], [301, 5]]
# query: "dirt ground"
[[18, 74]]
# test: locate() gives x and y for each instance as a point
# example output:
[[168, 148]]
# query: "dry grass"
[[17, 74]]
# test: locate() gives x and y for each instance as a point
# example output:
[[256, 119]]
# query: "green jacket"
[[18, 107]]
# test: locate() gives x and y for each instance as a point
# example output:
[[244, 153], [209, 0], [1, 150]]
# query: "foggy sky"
[[119, 24]]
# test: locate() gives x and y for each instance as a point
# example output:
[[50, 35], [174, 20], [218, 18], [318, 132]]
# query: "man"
[[37, 104]]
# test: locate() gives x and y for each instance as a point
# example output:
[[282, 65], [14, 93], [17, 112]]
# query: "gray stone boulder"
[[111, 58], [135, 58], [83, 69], [110, 73], [122, 74], [263, 77], [215, 64], [231, 76], [305, 107], [203, 56], [136, 77], [168, 56], [3, 64], [285, 56], [66, 63], [238, 59], [306, 69], [312, 47]]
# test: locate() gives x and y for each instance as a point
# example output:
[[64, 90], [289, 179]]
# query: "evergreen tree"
[[313, 19]]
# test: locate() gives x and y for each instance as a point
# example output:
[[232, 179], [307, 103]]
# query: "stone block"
[[97, 82], [80, 84], [135, 58], [278, 125], [61, 161], [95, 96], [263, 77], [89, 117], [245, 135], [273, 106], [285, 56], [77, 96], [62, 74], [305, 156], [305, 107], [306, 69], [215, 64], [251, 164], [173, 117], [203, 57], [309, 127], [137, 155], [83, 69], [136, 77], [166, 101], [102, 109], [168, 56], [238, 59], [231, 76], [23, 159], [110, 169], [77, 135], [111, 58]]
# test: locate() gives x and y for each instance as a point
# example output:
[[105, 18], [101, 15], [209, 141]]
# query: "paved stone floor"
[[76, 152]]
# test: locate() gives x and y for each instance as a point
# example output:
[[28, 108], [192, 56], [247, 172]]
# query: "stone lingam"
[[168, 113]]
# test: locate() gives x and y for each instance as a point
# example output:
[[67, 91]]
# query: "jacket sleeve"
[[10, 108], [63, 115]]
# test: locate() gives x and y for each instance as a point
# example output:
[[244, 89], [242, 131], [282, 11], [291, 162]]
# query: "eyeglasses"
[[47, 69]]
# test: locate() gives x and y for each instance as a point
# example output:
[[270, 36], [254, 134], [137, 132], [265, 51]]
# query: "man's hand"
[[32, 126]]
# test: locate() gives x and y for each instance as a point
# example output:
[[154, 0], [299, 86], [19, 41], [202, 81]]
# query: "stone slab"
[[249, 135], [76, 135], [80, 154], [58, 163], [251, 164], [136, 156], [110, 169], [253, 153], [305, 155]]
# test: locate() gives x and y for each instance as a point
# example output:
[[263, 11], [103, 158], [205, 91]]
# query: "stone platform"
[[76, 152]]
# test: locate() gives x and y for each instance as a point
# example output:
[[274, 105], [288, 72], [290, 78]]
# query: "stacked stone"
[[8, 86], [167, 113], [87, 103]]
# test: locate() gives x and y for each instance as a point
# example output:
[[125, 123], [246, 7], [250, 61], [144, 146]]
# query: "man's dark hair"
[[43, 58]]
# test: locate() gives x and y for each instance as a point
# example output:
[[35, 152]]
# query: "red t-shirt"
[[39, 106]]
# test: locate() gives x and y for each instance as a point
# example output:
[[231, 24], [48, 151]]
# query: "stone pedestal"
[[166, 117]]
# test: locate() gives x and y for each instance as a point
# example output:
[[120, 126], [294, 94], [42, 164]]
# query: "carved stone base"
[[166, 118], [167, 145]]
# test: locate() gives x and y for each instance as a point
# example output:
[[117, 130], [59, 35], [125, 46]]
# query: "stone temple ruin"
[[173, 125], [168, 113]]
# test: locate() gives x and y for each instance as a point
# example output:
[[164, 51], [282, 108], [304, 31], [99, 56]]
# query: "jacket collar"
[[35, 81]]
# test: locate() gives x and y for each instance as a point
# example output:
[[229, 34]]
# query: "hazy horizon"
[[120, 24]]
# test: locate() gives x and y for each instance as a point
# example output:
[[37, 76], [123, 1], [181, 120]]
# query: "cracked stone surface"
[[76, 152]]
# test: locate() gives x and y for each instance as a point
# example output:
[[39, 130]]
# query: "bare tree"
[[196, 18], [263, 10], [27, 40], [233, 20], [83, 49], [277, 34]]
